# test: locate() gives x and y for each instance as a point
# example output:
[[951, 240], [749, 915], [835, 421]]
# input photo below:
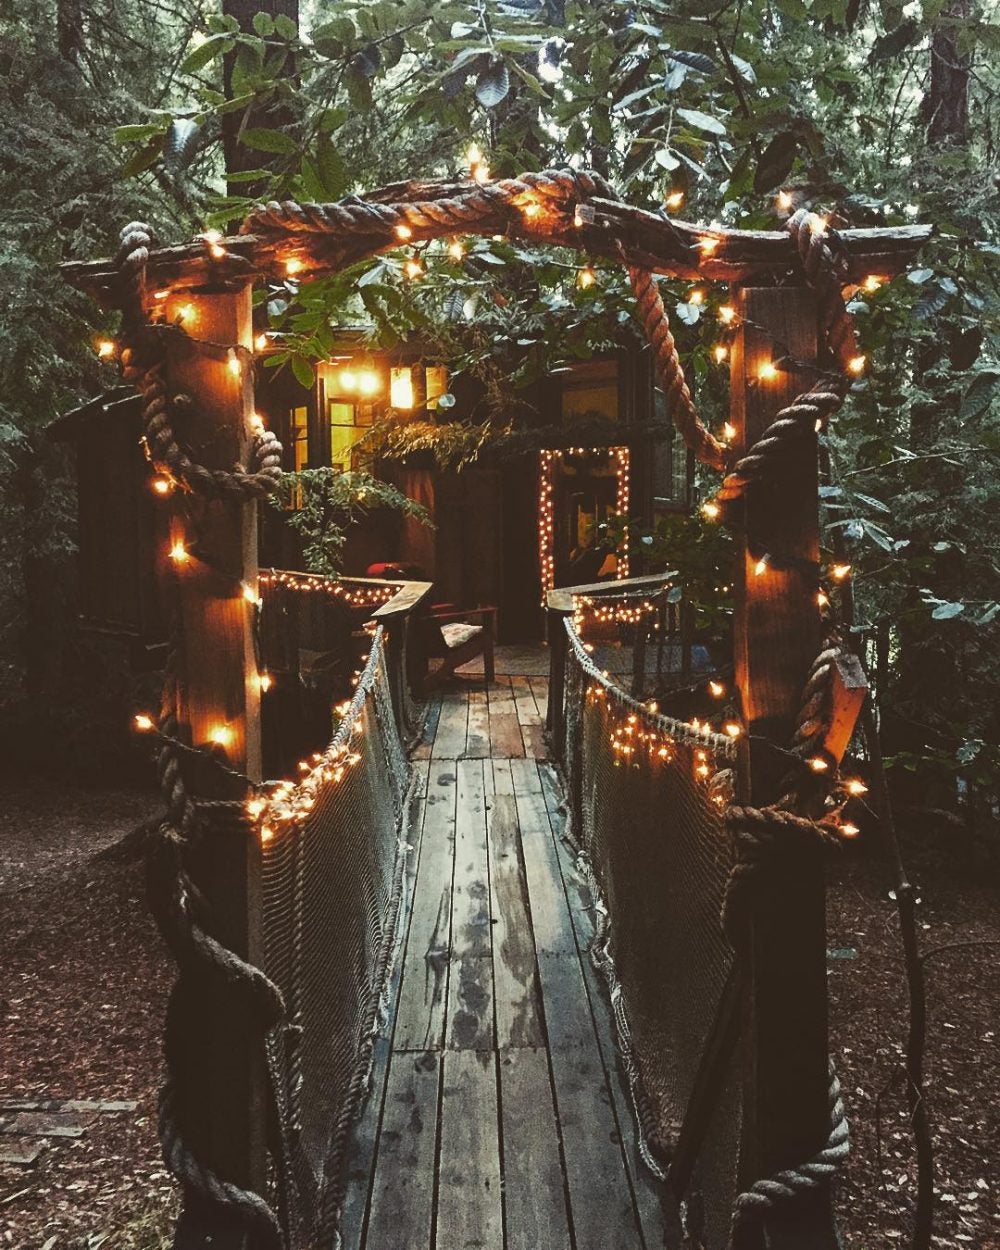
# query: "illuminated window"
[[344, 433], [591, 388], [401, 393], [670, 459], [436, 382], [298, 425]]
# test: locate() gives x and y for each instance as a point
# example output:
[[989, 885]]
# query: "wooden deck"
[[498, 1120]]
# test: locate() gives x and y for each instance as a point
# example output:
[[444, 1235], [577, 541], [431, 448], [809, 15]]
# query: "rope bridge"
[[670, 859]]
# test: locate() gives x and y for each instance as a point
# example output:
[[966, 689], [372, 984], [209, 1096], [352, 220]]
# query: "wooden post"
[[220, 703], [776, 637]]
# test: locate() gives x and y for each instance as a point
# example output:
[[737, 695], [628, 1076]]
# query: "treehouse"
[[525, 515]]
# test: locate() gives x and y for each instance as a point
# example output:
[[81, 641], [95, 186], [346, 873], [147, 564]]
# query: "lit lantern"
[[401, 393], [368, 382]]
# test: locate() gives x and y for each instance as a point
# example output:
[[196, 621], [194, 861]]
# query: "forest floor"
[[85, 978]]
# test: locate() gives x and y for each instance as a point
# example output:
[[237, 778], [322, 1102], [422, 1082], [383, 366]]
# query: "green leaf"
[[978, 395], [776, 161], [197, 59], [144, 158], [694, 60], [493, 84], [304, 373], [285, 27], [702, 121], [263, 24], [133, 134], [262, 140]]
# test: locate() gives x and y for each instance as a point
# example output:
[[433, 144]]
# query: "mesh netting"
[[646, 795], [331, 892]]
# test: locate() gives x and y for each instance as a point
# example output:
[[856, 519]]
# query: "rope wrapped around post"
[[180, 912]]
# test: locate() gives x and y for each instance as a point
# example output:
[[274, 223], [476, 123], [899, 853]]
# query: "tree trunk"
[[268, 114], [946, 105]]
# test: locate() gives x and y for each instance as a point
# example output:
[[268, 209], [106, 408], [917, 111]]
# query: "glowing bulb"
[[817, 224], [143, 722], [255, 808], [216, 251], [840, 571], [697, 296], [675, 199], [455, 250], [729, 431], [857, 365], [105, 348], [767, 371], [403, 231], [855, 786], [293, 266], [266, 833], [720, 351], [716, 689], [179, 553], [186, 312], [733, 729], [577, 218], [586, 278], [761, 566], [250, 595], [348, 379], [711, 510], [414, 269], [727, 313], [481, 173], [233, 364], [872, 283], [849, 831], [784, 202], [221, 735], [162, 485], [474, 154], [264, 682], [261, 342], [818, 764], [212, 236], [257, 424], [161, 295], [532, 208], [368, 382], [823, 599], [708, 245]]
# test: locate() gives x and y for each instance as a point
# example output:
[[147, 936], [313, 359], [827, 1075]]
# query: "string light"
[[849, 831], [293, 266], [840, 571], [233, 364], [761, 566], [577, 218], [716, 689], [720, 351], [696, 296], [675, 199], [261, 342], [257, 425], [823, 599], [818, 764], [727, 314], [549, 457], [711, 510], [106, 348], [264, 682], [160, 296], [784, 202], [729, 431], [365, 595], [221, 735], [586, 278], [403, 231], [872, 283], [855, 786], [179, 553], [531, 208], [251, 595], [478, 167], [414, 269], [708, 245], [216, 251], [143, 722], [857, 365], [255, 807], [456, 250], [817, 224], [187, 314], [161, 484], [733, 729], [767, 371]]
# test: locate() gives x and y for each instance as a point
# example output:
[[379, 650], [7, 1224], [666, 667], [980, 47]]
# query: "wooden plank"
[[401, 1215], [549, 914], [469, 1211], [535, 746], [540, 689], [505, 730], [477, 745], [470, 979], [452, 729], [534, 1183], [423, 990], [524, 701], [422, 751], [524, 774], [503, 782], [515, 976]]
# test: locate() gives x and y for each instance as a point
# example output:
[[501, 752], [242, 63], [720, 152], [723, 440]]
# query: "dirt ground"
[[85, 977]]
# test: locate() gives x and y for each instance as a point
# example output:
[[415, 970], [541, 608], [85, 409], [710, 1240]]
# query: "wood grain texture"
[[469, 1214], [515, 976]]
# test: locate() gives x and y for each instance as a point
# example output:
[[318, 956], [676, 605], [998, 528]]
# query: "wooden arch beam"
[[597, 226]]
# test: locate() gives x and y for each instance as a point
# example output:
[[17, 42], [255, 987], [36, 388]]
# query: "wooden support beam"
[[220, 704], [777, 636]]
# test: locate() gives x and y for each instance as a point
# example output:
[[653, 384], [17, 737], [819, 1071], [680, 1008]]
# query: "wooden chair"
[[454, 654]]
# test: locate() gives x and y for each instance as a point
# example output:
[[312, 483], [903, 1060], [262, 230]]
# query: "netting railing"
[[334, 849], [646, 796]]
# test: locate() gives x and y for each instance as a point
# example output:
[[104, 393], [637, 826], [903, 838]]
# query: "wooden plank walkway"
[[498, 1119]]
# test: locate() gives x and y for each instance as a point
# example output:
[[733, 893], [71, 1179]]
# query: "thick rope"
[[143, 366], [766, 1194]]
